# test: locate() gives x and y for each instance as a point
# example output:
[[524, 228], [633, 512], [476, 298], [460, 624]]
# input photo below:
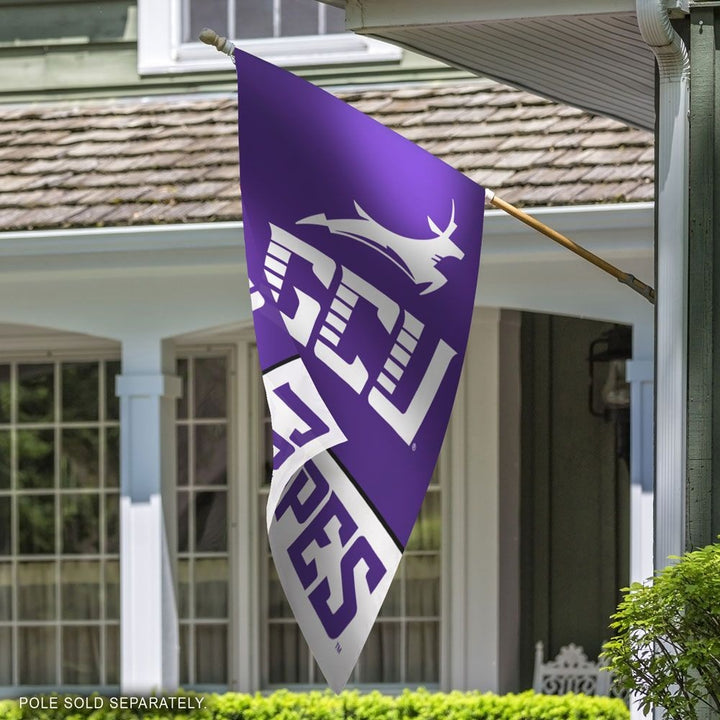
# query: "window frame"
[[246, 531], [243, 640], [191, 555], [255, 491], [161, 52], [20, 354], [81, 350]]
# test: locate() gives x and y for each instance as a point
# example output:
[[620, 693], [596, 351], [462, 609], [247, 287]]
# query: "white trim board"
[[520, 268], [136, 238], [216, 237], [367, 14], [161, 52]]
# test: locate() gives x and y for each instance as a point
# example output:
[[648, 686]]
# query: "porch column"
[[640, 375], [702, 491], [483, 599], [148, 607]]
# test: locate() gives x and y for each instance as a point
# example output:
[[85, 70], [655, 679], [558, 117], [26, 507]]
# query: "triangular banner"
[[362, 253]]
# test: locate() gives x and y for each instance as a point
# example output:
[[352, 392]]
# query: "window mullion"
[[102, 500], [264, 569], [14, 530], [311, 667], [192, 670], [185, 20], [403, 622], [230, 18], [57, 415], [264, 599], [277, 19]]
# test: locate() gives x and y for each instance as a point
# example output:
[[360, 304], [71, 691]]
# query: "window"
[[202, 507], [250, 19], [404, 645], [59, 490], [285, 32]]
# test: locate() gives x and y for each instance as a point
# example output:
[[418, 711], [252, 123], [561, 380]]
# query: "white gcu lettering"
[[406, 424], [351, 287], [280, 250]]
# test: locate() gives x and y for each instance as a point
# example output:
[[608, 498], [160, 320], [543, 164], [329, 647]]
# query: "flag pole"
[[223, 45], [625, 278]]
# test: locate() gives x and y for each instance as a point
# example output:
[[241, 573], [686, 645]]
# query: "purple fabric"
[[304, 152]]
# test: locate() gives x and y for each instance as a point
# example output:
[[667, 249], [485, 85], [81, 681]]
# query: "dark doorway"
[[574, 491]]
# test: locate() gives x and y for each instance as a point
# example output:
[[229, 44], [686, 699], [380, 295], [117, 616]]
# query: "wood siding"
[[53, 49]]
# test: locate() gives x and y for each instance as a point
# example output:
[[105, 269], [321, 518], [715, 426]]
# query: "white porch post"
[[148, 607], [640, 374], [483, 598], [671, 182]]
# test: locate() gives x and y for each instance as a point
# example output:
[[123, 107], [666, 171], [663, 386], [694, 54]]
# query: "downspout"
[[671, 178]]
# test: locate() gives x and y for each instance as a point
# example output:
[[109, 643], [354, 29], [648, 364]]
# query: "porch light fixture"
[[608, 391]]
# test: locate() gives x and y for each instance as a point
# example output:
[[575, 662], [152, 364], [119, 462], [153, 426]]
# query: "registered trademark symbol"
[[414, 447]]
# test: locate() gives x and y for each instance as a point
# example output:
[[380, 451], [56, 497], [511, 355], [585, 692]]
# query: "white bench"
[[572, 672]]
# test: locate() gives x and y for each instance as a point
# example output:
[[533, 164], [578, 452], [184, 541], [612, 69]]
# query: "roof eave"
[[586, 53], [384, 13]]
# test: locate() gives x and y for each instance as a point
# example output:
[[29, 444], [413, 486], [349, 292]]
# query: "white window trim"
[[258, 578], [55, 347], [218, 346], [247, 530], [160, 51]]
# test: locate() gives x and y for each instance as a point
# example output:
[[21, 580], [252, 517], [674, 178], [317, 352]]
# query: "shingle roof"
[[175, 160]]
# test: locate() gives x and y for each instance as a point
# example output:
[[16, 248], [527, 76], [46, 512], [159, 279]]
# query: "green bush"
[[667, 642], [348, 705]]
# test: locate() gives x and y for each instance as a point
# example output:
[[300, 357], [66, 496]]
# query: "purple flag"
[[362, 253]]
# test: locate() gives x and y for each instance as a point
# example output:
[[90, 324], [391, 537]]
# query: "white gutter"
[[129, 238], [614, 218], [671, 255]]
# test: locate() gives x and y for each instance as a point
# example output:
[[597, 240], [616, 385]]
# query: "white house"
[[133, 432]]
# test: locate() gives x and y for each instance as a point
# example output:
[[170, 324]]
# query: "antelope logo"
[[416, 257]]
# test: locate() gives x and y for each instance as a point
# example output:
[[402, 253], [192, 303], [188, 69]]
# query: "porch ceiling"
[[590, 55]]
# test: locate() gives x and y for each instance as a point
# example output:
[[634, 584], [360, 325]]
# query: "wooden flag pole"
[[210, 37], [626, 278]]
